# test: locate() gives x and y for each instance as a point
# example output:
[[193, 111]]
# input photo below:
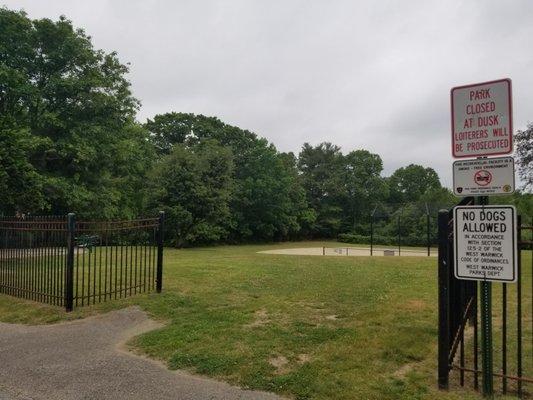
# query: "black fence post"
[[428, 230], [69, 273], [372, 234], [444, 316], [519, 307], [428, 234], [372, 230], [159, 276], [399, 235]]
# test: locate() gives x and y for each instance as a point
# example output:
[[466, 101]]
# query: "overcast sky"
[[362, 74]]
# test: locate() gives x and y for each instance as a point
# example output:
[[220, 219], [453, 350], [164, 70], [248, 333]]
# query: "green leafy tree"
[[20, 184], [87, 154], [267, 200], [415, 191], [408, 184], [364, 186], [322, 174], [193, 186], [178, 128], [437, 199], [69, 142], [305, 216], [524, 156]]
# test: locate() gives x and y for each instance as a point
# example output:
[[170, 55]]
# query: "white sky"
[[361, 74]]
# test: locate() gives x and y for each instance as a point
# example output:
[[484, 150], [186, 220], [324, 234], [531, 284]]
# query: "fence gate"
[[459, 352], [64, 262]]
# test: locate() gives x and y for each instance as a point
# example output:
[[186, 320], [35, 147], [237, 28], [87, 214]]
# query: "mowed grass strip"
[[307, 327]]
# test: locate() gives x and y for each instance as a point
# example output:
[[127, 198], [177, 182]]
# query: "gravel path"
[[351, 251], [86, 359]]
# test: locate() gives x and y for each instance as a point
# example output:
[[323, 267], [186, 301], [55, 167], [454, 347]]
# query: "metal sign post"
[[486, 330], [485, 242], [485, 249], [486, 338]]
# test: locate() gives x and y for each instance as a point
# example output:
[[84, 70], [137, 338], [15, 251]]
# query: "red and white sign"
[[485, 243], [482, 119], [482, 177]]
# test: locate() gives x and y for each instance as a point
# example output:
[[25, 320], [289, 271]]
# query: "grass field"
[[306, 327]]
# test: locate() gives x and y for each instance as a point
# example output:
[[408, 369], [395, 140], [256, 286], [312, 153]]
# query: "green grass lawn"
[[306, 327]]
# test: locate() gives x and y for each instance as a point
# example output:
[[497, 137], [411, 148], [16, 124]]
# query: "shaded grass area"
[[303, 326]]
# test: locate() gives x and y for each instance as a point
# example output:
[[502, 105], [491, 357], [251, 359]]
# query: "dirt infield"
[[352, 251]]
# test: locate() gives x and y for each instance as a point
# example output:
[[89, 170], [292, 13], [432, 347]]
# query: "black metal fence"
[[399, 224], [69, 263], [459, 320]]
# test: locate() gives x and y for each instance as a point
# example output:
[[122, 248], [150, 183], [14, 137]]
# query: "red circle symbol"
[[482, 177]]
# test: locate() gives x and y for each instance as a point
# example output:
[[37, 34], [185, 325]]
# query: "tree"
[[194, 186], [69, 142], [364, 186], [321, 170], [267, 201], [408, 184], [524, 156], [20, 184], [305, 216], [76, 105], [177, 128]]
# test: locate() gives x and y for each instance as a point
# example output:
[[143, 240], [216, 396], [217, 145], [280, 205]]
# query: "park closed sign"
[[482, 122], [485, 243]]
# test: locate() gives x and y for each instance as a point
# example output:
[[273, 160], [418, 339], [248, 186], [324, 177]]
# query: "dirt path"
[[352, 251], [86, 359]]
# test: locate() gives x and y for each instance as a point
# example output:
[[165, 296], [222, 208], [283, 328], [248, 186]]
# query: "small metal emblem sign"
[[484, 176], [485, 243]]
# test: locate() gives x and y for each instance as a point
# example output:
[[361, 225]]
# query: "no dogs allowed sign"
[[485, 243]]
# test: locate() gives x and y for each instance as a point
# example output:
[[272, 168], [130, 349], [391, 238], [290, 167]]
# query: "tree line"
[[70, 142]]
